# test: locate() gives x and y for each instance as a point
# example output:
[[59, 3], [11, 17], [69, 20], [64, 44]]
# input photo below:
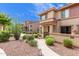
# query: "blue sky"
[[26, 11]]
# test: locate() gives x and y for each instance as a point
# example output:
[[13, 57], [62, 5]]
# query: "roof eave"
[[54, 9]]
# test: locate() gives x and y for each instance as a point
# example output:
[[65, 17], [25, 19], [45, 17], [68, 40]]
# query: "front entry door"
[[47, 31]]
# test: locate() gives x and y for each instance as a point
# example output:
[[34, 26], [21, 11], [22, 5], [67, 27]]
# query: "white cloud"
[[43, 6], [60, 5], [40, 7]]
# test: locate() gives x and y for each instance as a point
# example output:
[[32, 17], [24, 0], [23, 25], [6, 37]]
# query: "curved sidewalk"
[[44, 49]]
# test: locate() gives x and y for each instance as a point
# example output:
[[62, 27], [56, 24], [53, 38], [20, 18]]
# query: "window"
[[46, 16], [65, 13], [43, 17], [66, 29], [30, 25]]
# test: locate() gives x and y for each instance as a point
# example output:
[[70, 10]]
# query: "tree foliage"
[[4, 19]]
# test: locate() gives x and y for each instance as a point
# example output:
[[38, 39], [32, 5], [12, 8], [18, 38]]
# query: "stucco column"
[[51, 29], [42, 31], [74, 30], [58, 27]]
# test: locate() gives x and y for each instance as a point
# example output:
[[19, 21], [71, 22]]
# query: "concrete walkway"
[[45, 50], [2, 53]]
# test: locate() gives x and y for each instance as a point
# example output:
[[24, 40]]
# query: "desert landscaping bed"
[[19, 48], [64, 51]]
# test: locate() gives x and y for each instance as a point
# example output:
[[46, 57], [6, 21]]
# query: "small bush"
[[31, 37], [36, 35], [30, 40], [33, 43], [68, 43], [4, 36], [25, 37], [49, 40], [49, 37]]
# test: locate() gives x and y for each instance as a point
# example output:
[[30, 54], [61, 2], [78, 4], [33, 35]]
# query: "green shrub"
[[48, 36], [4, 36], [68, 43], [16, 31], [30, 37], [25, 37], [36, 35], [30, 40], [33, 43], [50, 41], [24, 32]]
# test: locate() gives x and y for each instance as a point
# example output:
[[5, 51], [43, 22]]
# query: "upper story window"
[[65, 13], [43, 17], [47, 15], [30, 25]]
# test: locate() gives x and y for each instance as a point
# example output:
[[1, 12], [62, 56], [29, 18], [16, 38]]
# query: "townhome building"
[[31, 27], [63, 21]]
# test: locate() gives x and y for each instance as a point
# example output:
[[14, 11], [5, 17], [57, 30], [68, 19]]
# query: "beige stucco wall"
[[73, 12], [74, 21], [68, 22], [49, 20], [50, 14], [58, 15], [34, 26]]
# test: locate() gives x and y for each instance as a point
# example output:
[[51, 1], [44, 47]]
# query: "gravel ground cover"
[[60, 49], [19, 48]]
